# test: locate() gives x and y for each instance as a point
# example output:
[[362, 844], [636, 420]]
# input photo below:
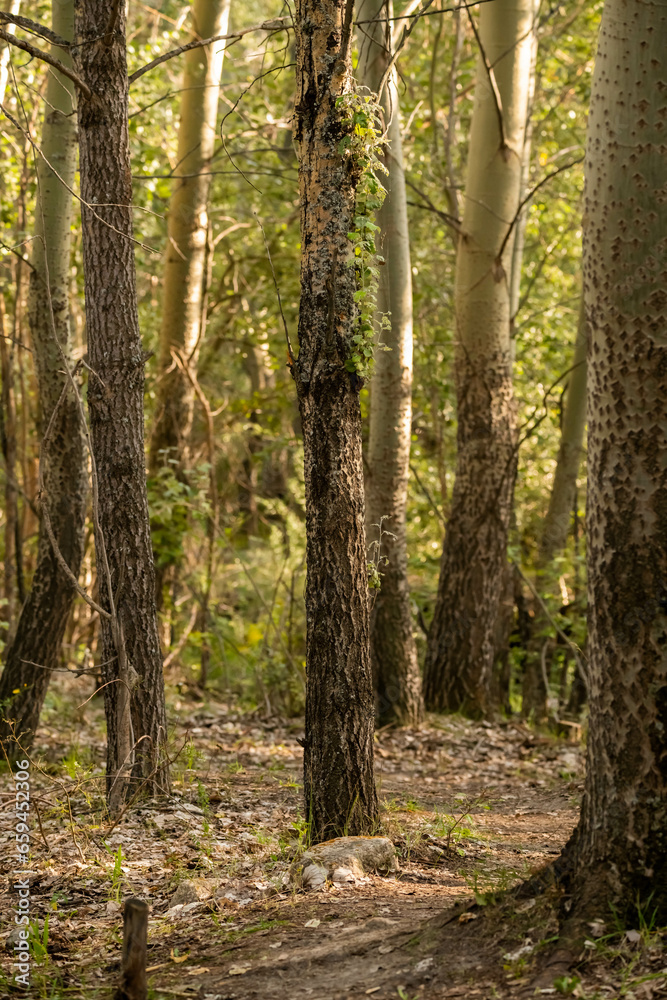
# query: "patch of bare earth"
[[472, 809]]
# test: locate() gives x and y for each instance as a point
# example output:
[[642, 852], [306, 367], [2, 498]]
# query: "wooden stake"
[[133, 984]]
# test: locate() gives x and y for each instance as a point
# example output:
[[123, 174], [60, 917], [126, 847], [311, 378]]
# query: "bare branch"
[[111, 24], [449, 220], [45, 57], [277, 24], [531, 194], [34, 28]]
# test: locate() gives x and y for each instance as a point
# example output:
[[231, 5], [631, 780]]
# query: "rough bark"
[[621, 850], [130, 646], [459, 662], [339, 785], [393, 649], [187, 233], [35, 648]]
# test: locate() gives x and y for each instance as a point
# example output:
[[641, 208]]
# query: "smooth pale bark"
[[339, 787], [393, 648], [564, 489], [35, 647], [134, 691], [184, 277], [459, 663], [621, 843]]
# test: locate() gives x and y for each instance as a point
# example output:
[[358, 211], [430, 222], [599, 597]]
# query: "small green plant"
[[363, 142], [566, 985], [115, 874], [39, 942], [376, 558]]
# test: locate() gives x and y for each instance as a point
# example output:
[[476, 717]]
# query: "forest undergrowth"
[[473, 809]]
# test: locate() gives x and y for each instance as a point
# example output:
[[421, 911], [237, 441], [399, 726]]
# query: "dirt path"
[[471, 809]]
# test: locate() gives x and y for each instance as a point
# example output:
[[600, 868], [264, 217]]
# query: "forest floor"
[[472, 809]]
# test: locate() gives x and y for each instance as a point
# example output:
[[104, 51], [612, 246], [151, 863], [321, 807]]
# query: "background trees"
[[243, 500]]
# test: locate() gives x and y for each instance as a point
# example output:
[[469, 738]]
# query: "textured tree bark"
[[393, 649], [621, 847], [459, 662], [130, 646], [339, 786], [35, 648], [187, 232]]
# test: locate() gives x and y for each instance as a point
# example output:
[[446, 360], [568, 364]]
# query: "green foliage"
[[363, 143]]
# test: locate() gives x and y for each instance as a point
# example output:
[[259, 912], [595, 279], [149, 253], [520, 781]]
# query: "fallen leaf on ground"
[[239, 970], [312, 923]]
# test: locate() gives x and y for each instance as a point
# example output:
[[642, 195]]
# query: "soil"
[[472, 809]]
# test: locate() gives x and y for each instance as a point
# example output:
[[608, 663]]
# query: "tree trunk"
[[564, 489], [186, 258], [557, 521], [35, 648], [187, 233], [621, 848], [393, 648], [134, 692], [339, 785], [459, 663]]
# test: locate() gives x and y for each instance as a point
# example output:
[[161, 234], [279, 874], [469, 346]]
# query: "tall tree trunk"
[[564, 489], [460, 652], [186, 260], [393, 648], [339, 786], [621, 846], [187, 234], [557, 521], [134, 692], [34, 650]]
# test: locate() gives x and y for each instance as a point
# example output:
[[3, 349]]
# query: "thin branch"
[[425, 13], [111, 24], [400, 45], [46, 517], [453, 223], [492, 81], [34, 28], [531, 194], [277, 24], [438, 512], [290, 353], [45, 57], [576, 651], [71, 190]]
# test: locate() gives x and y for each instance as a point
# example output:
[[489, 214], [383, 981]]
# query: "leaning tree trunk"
[[557, 521], [393, 648], [35, 648], [339, 785], [186, 264], [621, 844], [134, 691], [459, 663], [564, 489]]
